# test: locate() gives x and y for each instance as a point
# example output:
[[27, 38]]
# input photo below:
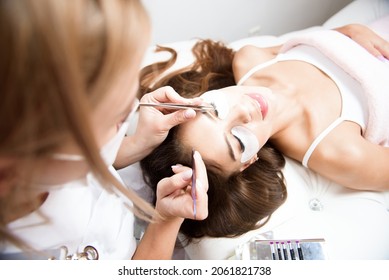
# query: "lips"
[[262, 103]]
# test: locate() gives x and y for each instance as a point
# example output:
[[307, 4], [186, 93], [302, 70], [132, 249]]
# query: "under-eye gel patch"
[[249, 140]]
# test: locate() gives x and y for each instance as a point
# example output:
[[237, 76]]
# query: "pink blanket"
[[372, 73]]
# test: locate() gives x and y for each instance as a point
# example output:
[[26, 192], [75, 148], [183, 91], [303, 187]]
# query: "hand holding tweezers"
[[202, 108]]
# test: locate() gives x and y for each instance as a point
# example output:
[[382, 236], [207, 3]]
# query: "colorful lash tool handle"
[[193, 190], [202, 108]]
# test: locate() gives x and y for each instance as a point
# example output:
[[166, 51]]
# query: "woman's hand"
[[367, 38], [174, 204], [174, 197], [155, 123]]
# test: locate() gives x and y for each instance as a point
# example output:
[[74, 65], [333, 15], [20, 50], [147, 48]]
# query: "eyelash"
[[214, 108], [242, 147]]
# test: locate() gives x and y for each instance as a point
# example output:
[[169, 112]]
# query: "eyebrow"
[[229, 146]]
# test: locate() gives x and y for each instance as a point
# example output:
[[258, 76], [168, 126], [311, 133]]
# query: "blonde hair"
[[57, 59]]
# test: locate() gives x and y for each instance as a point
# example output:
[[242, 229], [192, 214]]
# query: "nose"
[[241, 113]]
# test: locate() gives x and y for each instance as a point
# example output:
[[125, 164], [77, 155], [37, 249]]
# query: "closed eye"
[[242, 147]]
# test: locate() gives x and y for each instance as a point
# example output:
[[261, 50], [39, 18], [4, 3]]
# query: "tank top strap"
[[257, 68], [318, 139]]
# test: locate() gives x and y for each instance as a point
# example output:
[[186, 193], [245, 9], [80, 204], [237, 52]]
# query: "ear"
[[244, 166], [248, 163]]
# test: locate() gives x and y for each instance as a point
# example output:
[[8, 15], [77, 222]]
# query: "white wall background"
[[229, 20]]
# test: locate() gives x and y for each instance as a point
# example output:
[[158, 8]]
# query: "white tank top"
[[354, 106]]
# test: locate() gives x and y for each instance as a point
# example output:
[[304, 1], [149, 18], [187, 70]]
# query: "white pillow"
[[354, 224]]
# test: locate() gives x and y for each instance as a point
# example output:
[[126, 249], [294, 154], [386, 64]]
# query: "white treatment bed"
[[354, 224]]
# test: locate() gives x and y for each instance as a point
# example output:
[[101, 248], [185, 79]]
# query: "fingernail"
[[189, 114], [197, 155], [187, 175], [381, 58], [176, 166]]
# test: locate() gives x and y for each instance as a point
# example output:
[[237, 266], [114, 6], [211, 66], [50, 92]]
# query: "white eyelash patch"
[[249, 141]]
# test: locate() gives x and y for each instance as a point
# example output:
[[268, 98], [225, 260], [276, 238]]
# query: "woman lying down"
[[317, 99]]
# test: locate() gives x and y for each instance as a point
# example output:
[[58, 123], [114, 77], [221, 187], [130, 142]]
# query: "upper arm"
[[352, 162]]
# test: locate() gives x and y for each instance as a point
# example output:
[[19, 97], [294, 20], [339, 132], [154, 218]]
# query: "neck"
[[288, 109], [56, 172]]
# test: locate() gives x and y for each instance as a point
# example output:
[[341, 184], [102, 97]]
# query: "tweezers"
[[202, 108]]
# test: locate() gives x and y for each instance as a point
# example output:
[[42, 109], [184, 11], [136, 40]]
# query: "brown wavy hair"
[[236, 202]]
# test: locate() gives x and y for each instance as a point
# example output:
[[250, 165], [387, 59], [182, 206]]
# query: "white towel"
[[372, 73]]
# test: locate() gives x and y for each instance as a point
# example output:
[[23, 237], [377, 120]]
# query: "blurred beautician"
[[68, 81]]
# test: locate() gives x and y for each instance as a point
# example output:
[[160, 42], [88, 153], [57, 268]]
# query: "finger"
[[178, 168], [181, 204], [160, 94], [201, 202], [383, 49], [168, 94], [201, 197], [201, 170], [374, 51], [179, 117], [177, 205], [174, 183], [201, 188]]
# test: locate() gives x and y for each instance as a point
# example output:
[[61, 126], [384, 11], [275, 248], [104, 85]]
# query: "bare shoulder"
[[249, 56]]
